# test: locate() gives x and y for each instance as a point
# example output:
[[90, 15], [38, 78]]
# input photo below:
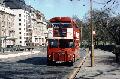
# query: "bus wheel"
[[70, 63], [49, 63]]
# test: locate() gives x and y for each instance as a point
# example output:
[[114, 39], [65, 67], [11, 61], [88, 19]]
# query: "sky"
[[53, 8]]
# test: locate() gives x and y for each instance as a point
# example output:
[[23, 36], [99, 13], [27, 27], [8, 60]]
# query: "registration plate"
[[59, 61]]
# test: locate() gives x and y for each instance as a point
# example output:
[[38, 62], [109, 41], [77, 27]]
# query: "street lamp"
[[91, 26]]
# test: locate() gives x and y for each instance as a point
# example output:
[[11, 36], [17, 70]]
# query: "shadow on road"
[[35, 61], [109, 61]]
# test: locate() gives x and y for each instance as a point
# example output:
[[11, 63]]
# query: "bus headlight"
[[49, 56], [73, 56]]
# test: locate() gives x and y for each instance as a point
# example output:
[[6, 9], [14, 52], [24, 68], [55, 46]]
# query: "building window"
[[19, 32], [20, 37], [19, 19], [19, 15], [42, 39], [19, 24], [20, 41], [19, 28]]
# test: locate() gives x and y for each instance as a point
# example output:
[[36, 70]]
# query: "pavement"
[[104, 67]]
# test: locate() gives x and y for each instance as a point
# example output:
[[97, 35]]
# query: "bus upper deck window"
[[53, 43]]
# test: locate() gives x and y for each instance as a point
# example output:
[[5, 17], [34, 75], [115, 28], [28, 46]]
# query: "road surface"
[[34, 67]]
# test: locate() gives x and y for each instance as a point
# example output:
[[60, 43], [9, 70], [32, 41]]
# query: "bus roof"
[[62, 19]]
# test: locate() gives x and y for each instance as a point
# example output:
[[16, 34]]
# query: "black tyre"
[[70, 63], [49, 62]]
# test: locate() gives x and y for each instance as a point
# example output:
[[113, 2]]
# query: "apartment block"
[[20, 24], [7, 32], [30, 27], [37, 29]]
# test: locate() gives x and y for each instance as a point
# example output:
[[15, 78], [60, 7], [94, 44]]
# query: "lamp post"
[[92, 44], [0, 34]]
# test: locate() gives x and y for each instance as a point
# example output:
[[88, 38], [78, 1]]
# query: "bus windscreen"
[[53, 43], [66, 43], [61, 43]]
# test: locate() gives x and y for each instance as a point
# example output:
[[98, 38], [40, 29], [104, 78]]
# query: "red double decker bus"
[[63, 41]]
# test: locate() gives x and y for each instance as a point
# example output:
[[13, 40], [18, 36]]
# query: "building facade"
[[20, 25], [6, 27], [25, 25], [30, 27], [37, 29]]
